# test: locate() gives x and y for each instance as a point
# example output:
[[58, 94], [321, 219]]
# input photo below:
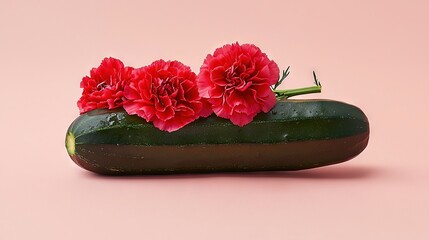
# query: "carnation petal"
[[104, 88], [165, 115], [268, 103], [204, 83], [130, 92], [216, 92], [241, 119], [131, 107], [275, 72], [173, 124], [165, 93], [217, 76], [183, 110], [149, 112], [236, 80], [206, 109]]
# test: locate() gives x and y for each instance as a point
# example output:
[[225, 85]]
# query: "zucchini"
[[294, 135]]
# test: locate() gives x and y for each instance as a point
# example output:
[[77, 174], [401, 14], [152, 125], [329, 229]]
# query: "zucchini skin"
[[294, 135]]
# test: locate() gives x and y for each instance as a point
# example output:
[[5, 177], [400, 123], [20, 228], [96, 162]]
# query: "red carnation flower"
[[164, 93], [236, 79], [104, 87]]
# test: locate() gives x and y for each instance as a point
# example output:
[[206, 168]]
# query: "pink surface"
[[373, 54]]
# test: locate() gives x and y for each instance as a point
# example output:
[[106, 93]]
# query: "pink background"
[[373, 54]]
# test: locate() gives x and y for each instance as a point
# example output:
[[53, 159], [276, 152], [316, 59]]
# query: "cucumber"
[[294, 135]]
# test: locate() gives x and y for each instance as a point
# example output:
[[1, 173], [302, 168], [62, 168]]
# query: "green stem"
[[281, 94]]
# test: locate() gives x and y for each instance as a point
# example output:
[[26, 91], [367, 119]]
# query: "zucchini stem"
[[282, 94]]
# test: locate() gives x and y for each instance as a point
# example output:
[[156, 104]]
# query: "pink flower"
[[236, 80], [164, 93], [104, 87]]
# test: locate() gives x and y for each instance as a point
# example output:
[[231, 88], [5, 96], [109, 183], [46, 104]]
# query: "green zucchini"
[[294, 135]]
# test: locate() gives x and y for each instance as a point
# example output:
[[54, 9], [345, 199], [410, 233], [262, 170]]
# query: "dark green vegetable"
[[296, 134]]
